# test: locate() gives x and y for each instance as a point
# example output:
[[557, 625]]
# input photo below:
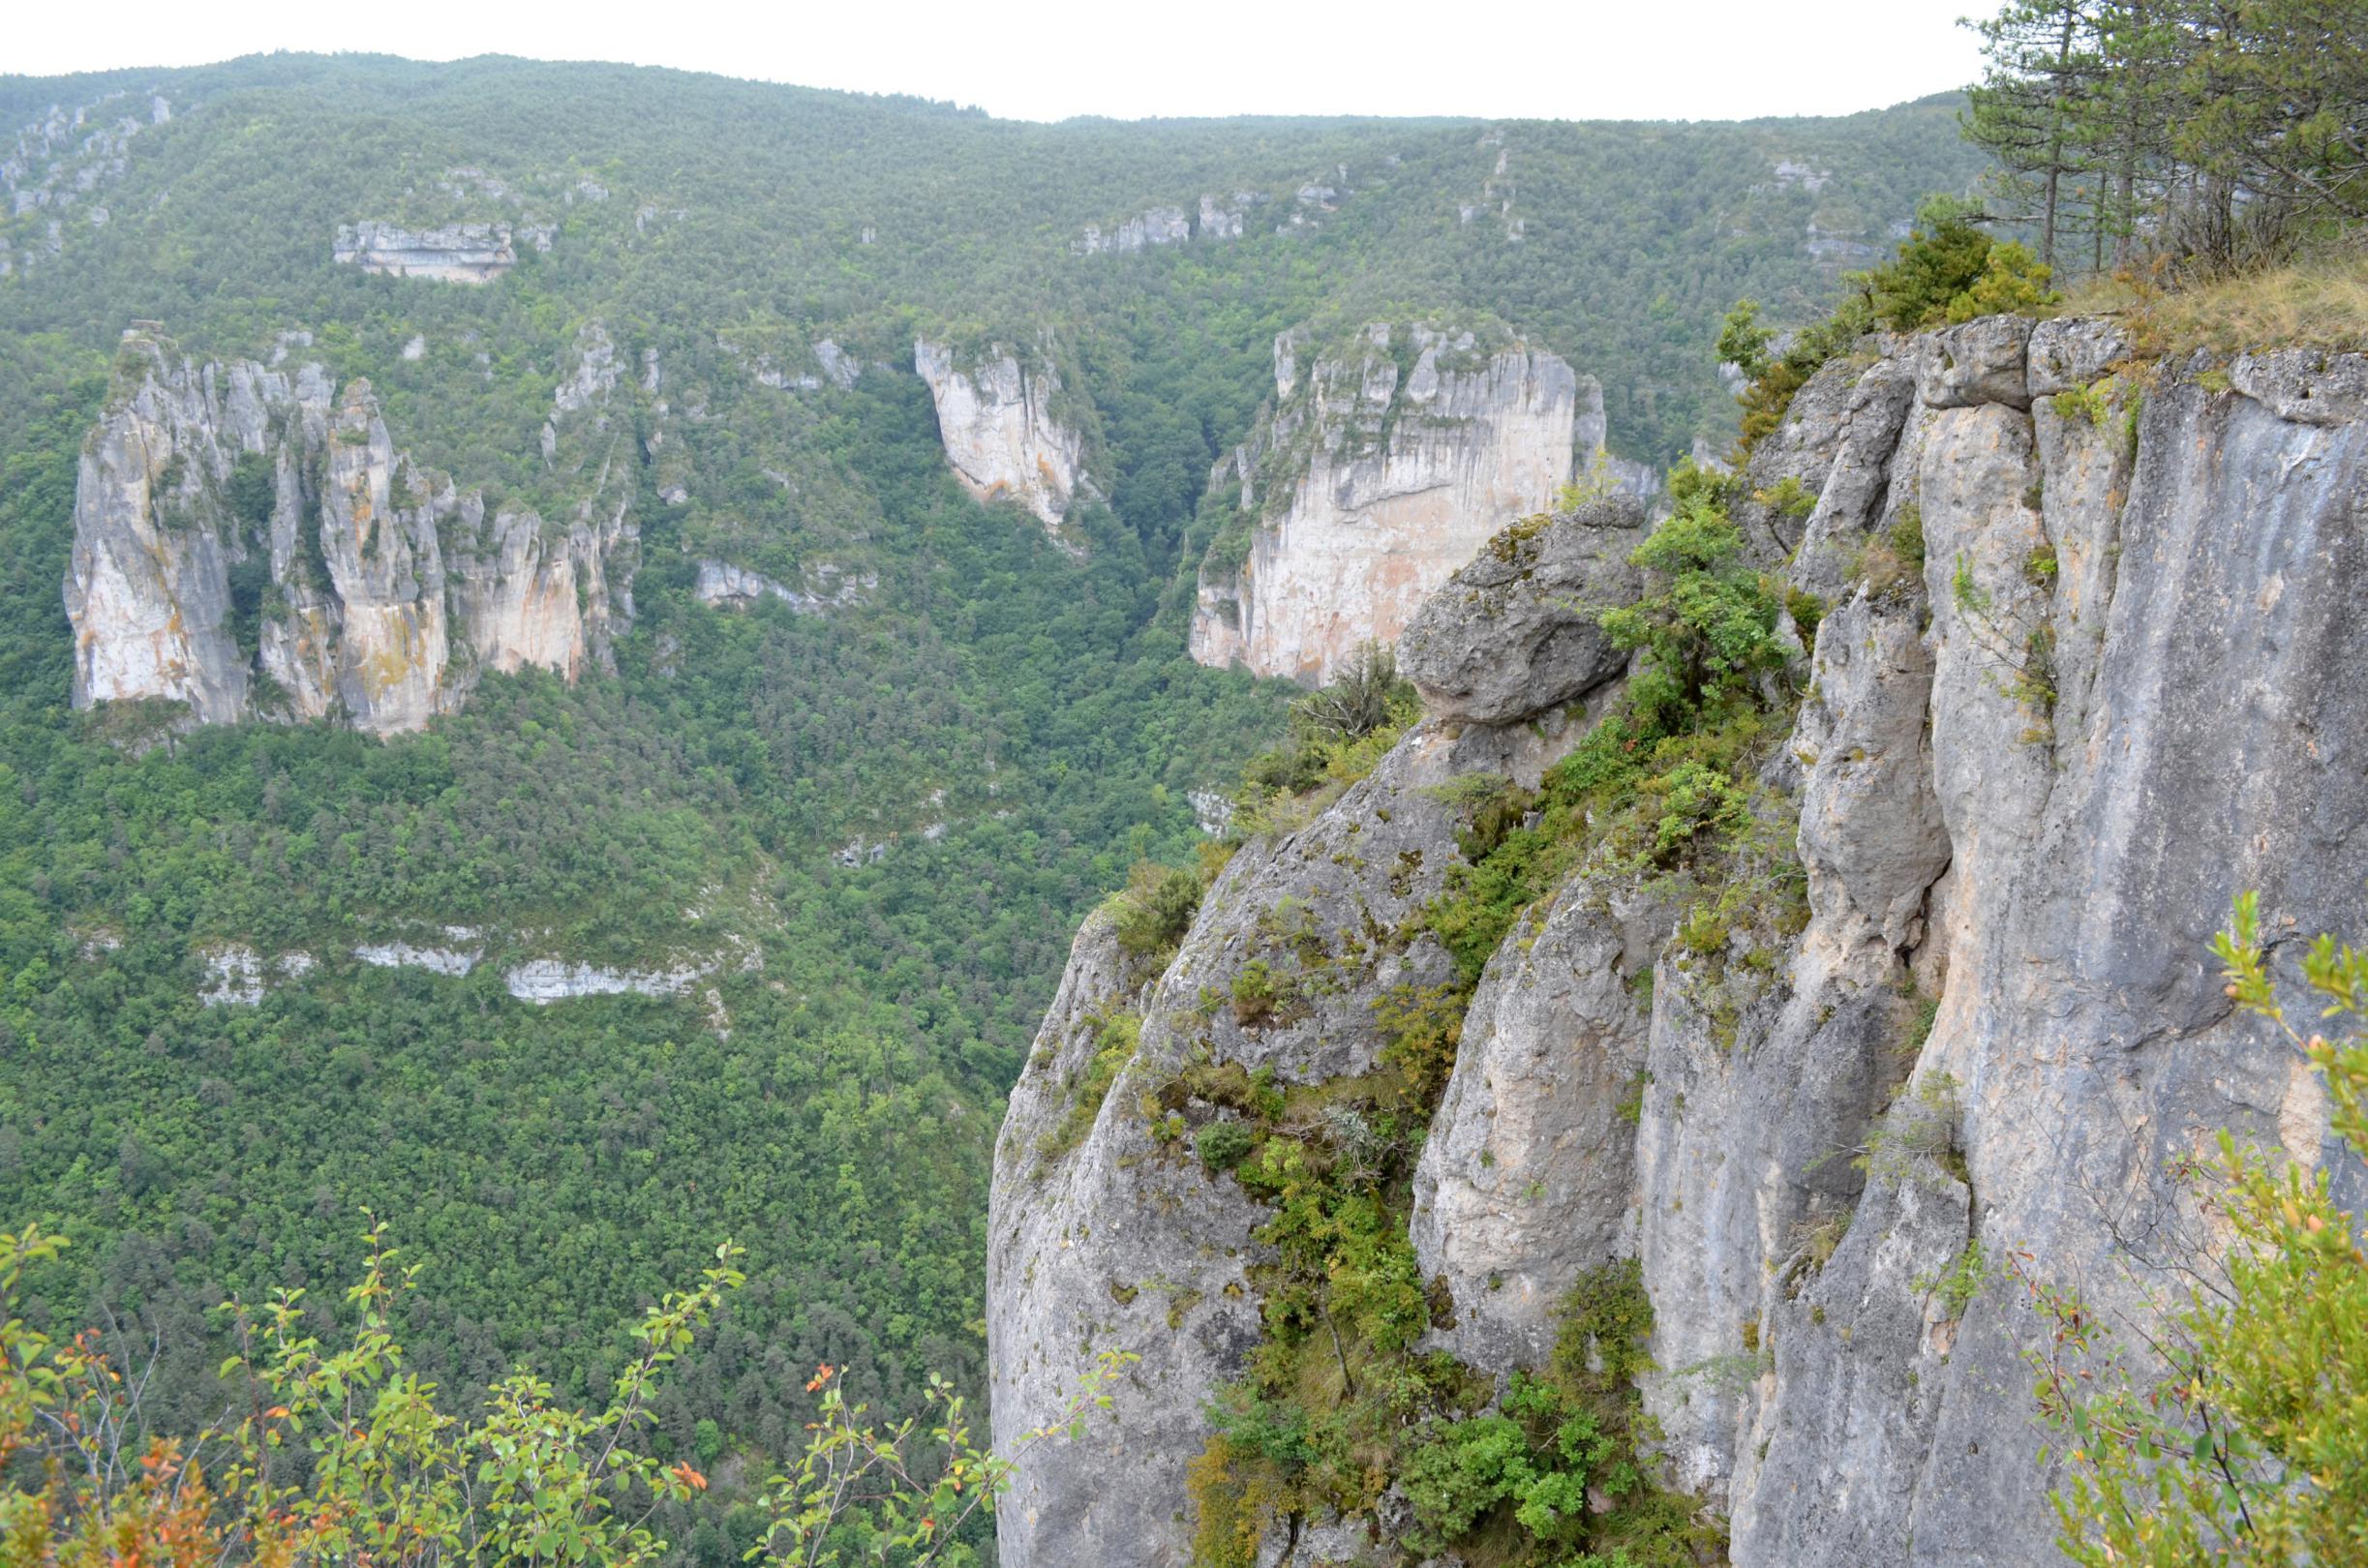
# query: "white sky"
[[1050, 59]]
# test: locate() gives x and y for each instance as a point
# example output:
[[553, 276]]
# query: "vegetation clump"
[[1116, 1037], [1338, 734], [1948, 270], [1155, 908], [1663, 781]]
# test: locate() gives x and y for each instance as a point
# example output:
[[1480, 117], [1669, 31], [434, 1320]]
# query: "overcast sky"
[[1050, 59]]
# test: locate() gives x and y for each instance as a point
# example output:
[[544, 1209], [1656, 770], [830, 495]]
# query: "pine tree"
[[2226, 131], [2036, 96], [2273, 119]]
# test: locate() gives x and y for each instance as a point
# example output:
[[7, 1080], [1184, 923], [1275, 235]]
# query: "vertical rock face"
[[254, 545], [1374, 480], [1161, 226], [1104, 1233], [147, 586], [1002, 430], [2031, 770], [1526, 1179], [2105, 788]]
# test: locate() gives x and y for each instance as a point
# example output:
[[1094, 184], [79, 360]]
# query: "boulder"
[[1983, 361], [1515, 632], [2074, 350]]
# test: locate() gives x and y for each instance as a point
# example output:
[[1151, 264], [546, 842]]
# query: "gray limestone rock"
[[2310, 386], [2028, 785], [1791, 463], [1870, 825], [455, 252], [1983, 361], [1111, 1235], [1528, 1178], [1332, 1544], [2074, 350], [1852, 492], [1861, 1350], [1515, 632]]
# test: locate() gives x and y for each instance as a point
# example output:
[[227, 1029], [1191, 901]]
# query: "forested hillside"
[[889, 814]]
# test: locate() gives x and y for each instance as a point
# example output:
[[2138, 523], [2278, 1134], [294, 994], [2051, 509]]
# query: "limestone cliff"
[[1003, 429], [1379, 470], [454, 253], [252, 543], [2068, 694]]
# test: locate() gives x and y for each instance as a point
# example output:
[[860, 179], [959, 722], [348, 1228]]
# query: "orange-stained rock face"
[[996, 420], [1377, 490], [388, 592]]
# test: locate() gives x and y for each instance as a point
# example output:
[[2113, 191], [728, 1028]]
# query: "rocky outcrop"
[[1225, 219], [736, 587], [1161, 226], [435, 958], [1003, 429], [544, 981], [1516, 631], [2045, 733], [1526, 1180], [252, 543], [1380, 470], [63, 161], [842, 369], [1103, 1232], [454, 253], [2105, 787]]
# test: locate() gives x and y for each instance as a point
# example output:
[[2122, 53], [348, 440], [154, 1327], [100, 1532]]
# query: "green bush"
[[1558, 1473], [1366, 696], [1155, 908], [2013, 281], [1261, 995], [2087, 404], [1224, 1145], [253, 489], [1698, 801]]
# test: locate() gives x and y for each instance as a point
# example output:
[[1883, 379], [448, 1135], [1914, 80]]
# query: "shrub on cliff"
[[1155, 908], [1947, 270], [1338, 734]]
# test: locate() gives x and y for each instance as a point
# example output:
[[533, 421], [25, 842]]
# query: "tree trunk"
[[2056, 93]]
